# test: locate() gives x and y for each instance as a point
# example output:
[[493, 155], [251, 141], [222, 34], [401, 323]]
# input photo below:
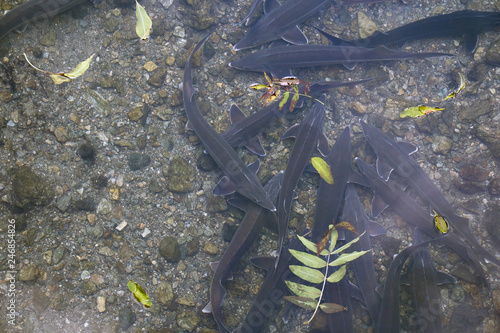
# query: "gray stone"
[[126, 318], [157, 77], [164, 293], [104, 207], [474, 111], [155, 187], [29, 272], [491, 137], [181, 175], [138, 161], [63, 202], [493, 54], [216, 203], [30, 190], [89, 288], [58, 254], [187, 320], [170, 249], [85, 204], [473, 173], [441, 144]]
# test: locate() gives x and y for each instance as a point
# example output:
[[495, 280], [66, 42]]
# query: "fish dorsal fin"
[[266, 263], [213, 265], [376, 229], [406, 147], [383, 169], [255, 146], [323, 146], [235, 114], [254, 167], [443, 278], [224, 187], [208, 308], [378, 205], [270, 5], [356, 178], [291, 132], [295, 36], [471, 41]]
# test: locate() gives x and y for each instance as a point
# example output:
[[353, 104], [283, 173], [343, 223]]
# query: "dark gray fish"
[[389, 194], [308, 135], [389, 311], [364, 269], [424, 279], [243, 180], [33, 10], [467, 23], [243, 238], [281, 22], [392, 155], [244, 130], [283, 58]]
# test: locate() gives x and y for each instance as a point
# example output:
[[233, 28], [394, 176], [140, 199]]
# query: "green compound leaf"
[[334, 235], [307, 274], [346, 257], [311, 246], [303, 291], [303, 302], [346, 246], [308, 259], [337, 275]]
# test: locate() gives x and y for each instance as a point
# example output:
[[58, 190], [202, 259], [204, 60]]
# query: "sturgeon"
[[243, 180]]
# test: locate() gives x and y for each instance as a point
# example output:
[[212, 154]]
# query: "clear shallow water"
[[39, 109]]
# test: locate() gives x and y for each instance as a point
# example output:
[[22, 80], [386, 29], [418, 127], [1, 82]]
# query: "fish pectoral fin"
[[378, 205], [383, 169], [235, 114], [323, 146], [266, 263], [443, 278], [376, 228], [356, 293], [188, 127], [295, 36], [291, 132], [213, 265], [350, 66], [255, 146], [471, 41], [254, 167], [208, 308], [224, 187], [356, 178], [239, 202], [407, 147]]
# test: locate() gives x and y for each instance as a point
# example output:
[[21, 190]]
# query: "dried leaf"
[[347, 245], [323, 242], [303, 291], [308, 259], [144, 23], [58, 78], [311, 246], [258, 86], [418, 111], [139, 294], [307, 274], [348, 226], [346, 257], [332, 308], [295, 98], [303, 302], [460, 87], [337, 275], [323, 169]]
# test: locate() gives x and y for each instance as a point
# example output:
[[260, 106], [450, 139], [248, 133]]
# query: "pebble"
[[164, 293], [170, 249], [441, 144], [181, 175], [122, 225], [29, 272], [28, 190], [187, 320], [138, 161], [104, 207], [210, 248], [126, 318], [101, 304], [106, 251]]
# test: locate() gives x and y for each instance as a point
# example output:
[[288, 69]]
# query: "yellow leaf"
[[139, 294], [323, 169], [80, 69], [144, 23], [460, 87], [418, 111], [59, 78], [440, 223], [258, 86]]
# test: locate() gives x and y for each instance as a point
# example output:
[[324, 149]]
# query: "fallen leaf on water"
[[59, 78], [144, 23], [460, 87], [323, 169], [139, 294], [419, 111]]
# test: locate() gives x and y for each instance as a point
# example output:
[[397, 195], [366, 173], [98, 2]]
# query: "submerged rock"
[[30, 190], [138, 161], [181, 176], [170, 249], [126, 318]]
